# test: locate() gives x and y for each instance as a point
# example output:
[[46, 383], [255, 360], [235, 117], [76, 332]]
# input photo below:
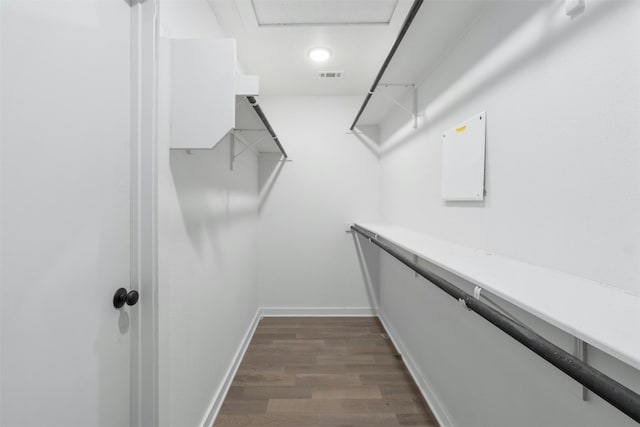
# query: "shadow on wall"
[[269, 168], [437, 93], [369, 136], [369, 261], [211, 196]]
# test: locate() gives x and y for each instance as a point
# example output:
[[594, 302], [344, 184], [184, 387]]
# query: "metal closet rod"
[[405, 27], [621, 397], [254, 103]]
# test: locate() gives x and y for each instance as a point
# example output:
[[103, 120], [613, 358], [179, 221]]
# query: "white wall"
[[562, 173], [189, 19], [563, 183], [207, 234], [306, 260]]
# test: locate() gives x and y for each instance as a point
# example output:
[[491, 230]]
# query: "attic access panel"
[[463, 151], [323, 12]]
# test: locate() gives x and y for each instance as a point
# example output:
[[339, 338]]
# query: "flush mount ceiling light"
[[319, 54]]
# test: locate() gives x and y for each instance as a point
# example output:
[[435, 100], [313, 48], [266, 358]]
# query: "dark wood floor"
[[311, 371]]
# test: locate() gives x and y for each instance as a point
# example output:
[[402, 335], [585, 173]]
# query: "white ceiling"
[[279, 53], [318, 12]]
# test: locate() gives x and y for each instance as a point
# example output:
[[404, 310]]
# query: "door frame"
[[144, 253]]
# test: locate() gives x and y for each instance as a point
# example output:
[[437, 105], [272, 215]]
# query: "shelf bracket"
[[415, 107], [476, 292], [413, 112], [248, 146], [580, 351]]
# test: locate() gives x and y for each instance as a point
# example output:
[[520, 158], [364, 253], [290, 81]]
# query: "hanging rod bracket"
[[464, 304]]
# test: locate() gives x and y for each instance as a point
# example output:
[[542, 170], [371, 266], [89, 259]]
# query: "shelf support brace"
[[247, 145], [580, 351], [414, 111], [415, 107], [232, 150]]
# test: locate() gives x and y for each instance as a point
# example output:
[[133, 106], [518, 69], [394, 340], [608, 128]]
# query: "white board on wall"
[[463, 160]]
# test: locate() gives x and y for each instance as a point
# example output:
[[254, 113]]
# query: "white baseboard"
[[319, 312], [441, 414], [218, 398]]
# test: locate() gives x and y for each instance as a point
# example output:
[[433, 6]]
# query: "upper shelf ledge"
[[602, 316], [432, 29]]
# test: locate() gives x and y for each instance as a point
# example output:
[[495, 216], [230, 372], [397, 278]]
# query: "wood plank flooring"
[[323, 371]]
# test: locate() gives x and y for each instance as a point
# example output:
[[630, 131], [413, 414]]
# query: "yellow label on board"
[[461, 129]]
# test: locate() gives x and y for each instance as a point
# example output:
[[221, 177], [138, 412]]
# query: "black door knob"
[[122, 296]]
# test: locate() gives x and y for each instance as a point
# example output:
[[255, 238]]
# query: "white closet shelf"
[[601, 315], [431, 28], [211, 99]]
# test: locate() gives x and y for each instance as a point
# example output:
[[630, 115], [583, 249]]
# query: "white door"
[[65, 212]]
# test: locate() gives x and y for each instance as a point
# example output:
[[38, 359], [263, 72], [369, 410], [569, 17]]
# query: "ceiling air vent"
[[330, 74]]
